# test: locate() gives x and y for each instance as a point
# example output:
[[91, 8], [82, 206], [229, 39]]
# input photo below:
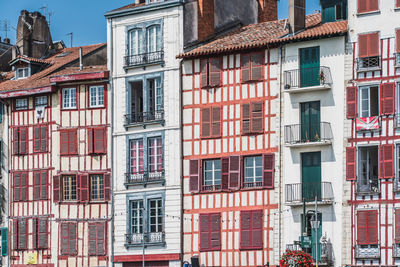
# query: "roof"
[[142, 7], [30, 59], [127, 7], [265, 33], [58, 66]]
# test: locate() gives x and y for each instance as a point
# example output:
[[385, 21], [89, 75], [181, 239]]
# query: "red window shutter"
[[362, 6], [72, 142], [245, 63], [194, 175], [363, 44], [98, 136], [362, 227], [351, 102], [372, 231], [17, 186], [72, 238], [215, 231], [257, 60], [216, 122], [234, 172], [386, 156], [35, 233], [56, 188], [351, 163], [387, 98], [44, 136], [84, 187], [373, 44], [257, 229], [204, 232], [205, 122], [44, 188], [398, 33], [24, 186], [22, 233], [36, 139], [225, 173], [245, 229], [107, 186], [23, 140], [256, 117], [64, 239], [90, 141], [101, 229], [16, 141], [64, 142], [245, 118], [15, 234], [92, 239], [203, 73], [36, 188], [373, 5], [42, 232], [215, 71], [397, 226], [398, 3], [269, 170]]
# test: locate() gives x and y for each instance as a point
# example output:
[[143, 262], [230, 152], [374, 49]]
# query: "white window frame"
[[69, 103], [139, 216], [153, 30], [39, 101], [19, 106], [137, 47], [96, 100], [254, 178], [157, 215], [360, 103], [213, 171], [24, 71]]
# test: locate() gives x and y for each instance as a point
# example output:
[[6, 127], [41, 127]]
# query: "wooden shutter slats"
[[257, 66], [92, 239], [245, 67], [72, 144], [23, 140], [24, 186], [90, 141], [372, 222], [72, 238], [215, 234], [64, 239], [351, 94], [245, 118], [194, 175], [351, 163], [203, 73], [15, 234], [36, 138], [363, 45], [373, 44], [22, 233], [386, 156], [16, 141], [107, 186], [225, 173], [42, 231], [398, 33], [216, 122], [204, 232], [56, 188], [245, 229], [215, 71], [256, 117], [387, 91], [36, 190], [234, 172], [367, 227], [84, 187], [397, 226], [43, 135], [257, 228], [101, 238], [44, 188], [268, 170], [17, 186], [205, 122], [98, 139]]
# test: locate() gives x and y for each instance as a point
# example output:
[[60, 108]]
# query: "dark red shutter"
[[15, 234], [215, 71], [44, 137], [17, 186], [397, 226], [363, 44], [269, 170], [23, 140], [92, 239], [35, 233], [44, 188], [22, 233], [56, 188], [387, 98], [90, 141], [36, 139], [216, 122], [16, 141], [245, 63], [72, 142], [64, 142], [372, 230], [225, 173], [398, 33], [257, 60], [84, 187], [205, 122], [36, 188], [194, 175], [98, 137], [362, 6], [373, 5], [351, 163], [351, 102], [203, 73], [42, 230], [72, 238], [362, 227], [215, 231], [257, 229], [107, 186], [64, 239], [24, 186], [386, 156], [245, 118], [397, 3], [204, 232], [256, 117], [234, 172], [101, 233], [373, 44], [245, 229]]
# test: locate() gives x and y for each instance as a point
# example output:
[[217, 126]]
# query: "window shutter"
[[362, 6], [72, 142], [245, 118], [373, 44], [387, 98], [245, 63], [397, 3], [98, 136], [22, 227], [15, 234], [398, 33], [397, 226], [42, 232], [215, 71], [56, 188], [90, 142], [4, 241], [269, 170], [17, 186], [204, 232], [107, 186], [36, 139], [373, 5], [72, 238], [257, 231], [43, 133], [205, 122], [215, 234], [216, 122], [351, 102], [256, 117], [234, 172], [23, 140], [245, 229], [363, 44], [24, 186], [1, 112], [16, 141], [194, 175], [36, 189], [386, 155], [92, 239], [101, 238], [203, 73], [64, 142], [372, 222], [257, 66], [351, 163], [225, 173], [64, 239], [35, 233], [84, 188], [362, 227], [44, 188]]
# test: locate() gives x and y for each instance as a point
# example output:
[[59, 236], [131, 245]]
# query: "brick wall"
[[267, 10], [205, 19]]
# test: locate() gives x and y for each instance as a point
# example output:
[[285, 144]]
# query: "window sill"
[[96, 107], [69, 109], [144, 124], [252, 81], [369, 69], [69, 155], [251, 248], [211, 137], [97, 153], [210, 250], [40, 152], [149, 244], [375, 12]]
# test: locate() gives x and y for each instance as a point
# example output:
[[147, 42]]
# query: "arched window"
[[135, 42], [153, 38]]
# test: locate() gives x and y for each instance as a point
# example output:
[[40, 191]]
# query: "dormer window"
[[22, 73], [333, 10], [21, 103]]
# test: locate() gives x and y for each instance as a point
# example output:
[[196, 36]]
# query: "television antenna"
[[5, 26], [47, 13], [71, 34]]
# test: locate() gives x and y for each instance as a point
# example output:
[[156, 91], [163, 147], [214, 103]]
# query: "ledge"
[[308, 89]]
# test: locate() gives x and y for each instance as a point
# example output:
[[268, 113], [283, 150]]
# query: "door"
[[136, 102], [311, 176], [310, 121], [309, 66]]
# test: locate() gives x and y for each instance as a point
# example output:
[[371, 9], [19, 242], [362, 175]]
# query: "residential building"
[[4, 224]]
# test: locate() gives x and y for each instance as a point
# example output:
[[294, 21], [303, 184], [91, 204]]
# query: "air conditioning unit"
[[39, 112]]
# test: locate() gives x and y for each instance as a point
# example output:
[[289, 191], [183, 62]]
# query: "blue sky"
[[85, 18]]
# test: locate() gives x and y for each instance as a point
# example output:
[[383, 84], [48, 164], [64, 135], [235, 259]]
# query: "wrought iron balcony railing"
[[368, 187], [138, 239], [368, 63], [144, 59], [396, 250], [144, 117], [397, 59], [300, 134], [145, 177], [296, 193], [252, 184], [368, 252], [214, 187], [308, 77]]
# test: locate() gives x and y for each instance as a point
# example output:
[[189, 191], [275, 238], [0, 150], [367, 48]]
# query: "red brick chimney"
[[267, 10], [205, 19]]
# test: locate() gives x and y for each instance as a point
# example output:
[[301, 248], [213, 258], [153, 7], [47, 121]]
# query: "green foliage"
[[296, 258]]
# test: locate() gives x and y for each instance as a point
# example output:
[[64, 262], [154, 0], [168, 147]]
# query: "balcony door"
[[137, 101], [311, 175], [367, 178], [309, 66], [310, 121]]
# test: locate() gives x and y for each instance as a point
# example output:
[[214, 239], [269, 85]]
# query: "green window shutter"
[[1, 154], [1, 112], [4, 241]]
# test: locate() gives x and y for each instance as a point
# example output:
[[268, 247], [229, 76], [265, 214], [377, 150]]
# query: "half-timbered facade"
[[59, 182]]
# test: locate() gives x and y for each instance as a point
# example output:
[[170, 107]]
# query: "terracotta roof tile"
[[127, 7], [265, 33], [32, 59]]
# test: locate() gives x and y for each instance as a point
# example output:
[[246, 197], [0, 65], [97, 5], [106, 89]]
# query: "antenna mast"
[[71, 34], [5, 26]]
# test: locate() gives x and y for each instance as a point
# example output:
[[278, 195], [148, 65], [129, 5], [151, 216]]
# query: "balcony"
[[368, 63], [310, 79], [326, 251], [369, 187], [368, 252], [396, 185], [147, 239], [294, 194], [396, 250], [298, 135], [397, 59], [144, 178], [144, 59], [144, 118]]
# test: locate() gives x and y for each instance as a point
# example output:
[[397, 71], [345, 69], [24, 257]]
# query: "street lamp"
[[315, 225]]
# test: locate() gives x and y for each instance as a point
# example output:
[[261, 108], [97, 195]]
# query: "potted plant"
[[296, 258]]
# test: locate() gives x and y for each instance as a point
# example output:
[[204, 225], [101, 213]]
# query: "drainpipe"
[[280, 150], [181, 143]]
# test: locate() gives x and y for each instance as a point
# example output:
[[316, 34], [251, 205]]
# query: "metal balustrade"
[[368, 63], [294, 192], [144, 58], [307, 77], [144, 117], [369, 187], [396, 250], [397, 59], [144, 177], [300, 134], [368, 252], [137, 239]]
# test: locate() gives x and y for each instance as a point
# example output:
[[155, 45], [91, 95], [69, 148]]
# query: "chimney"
[[205, 19], [297, 15], [267, 10], [7, 40]]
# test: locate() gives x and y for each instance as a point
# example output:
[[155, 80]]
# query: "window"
[[97, 238], [153, 38], [40, 138], [210, 72], [136, 156], [40, 185], [69, 98], [251, 229], [40, 233], [367, 227], [252, 118], [21, 103], [96, 96], [22, 73], [252, 67], [145, 39], [137, 217], [69, 188], [212, 175], [333, 11], [97, 187], [367, 179], [365, 6], [136, 42], [20, 234], [20, 141], [397, 3], [97, 140], [211, 122], [155, 154], [210, 232], [253, 171], [69, 142], [368, 51], [155, 216], [68, 239], [369, 101], [41, 101], [21, 186]]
